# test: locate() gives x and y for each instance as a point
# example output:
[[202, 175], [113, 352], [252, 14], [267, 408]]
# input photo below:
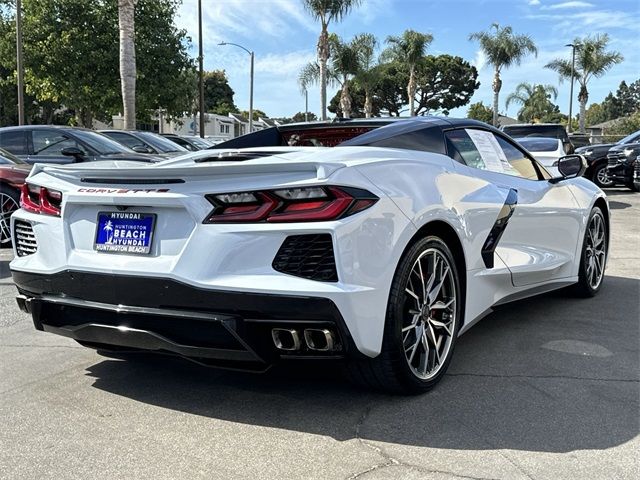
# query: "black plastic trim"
[[490, 244]]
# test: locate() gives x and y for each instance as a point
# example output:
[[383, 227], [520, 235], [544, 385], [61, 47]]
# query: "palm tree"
[[592, 60], [535, 100], [326, 11], [408, 49], [502, 48], [126, 9], [344, 65], [367, 76]]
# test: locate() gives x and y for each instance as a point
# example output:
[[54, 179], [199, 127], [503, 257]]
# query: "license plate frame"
[[123, 231]]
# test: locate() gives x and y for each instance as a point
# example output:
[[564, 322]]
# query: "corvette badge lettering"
[[123, 190]]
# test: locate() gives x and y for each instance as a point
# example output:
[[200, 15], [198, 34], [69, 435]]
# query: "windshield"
[[100, 143], [163, 145], [538, 144], [8, 158], [634, 137], [551, 131]]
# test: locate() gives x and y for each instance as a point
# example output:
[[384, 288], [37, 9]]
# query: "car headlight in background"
[[587, 153]]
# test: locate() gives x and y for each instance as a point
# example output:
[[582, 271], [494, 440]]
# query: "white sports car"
[[378, 252]]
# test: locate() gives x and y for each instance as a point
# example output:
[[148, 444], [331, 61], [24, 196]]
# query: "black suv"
[[548, 130], [624, 165], [57, 144], [596, 156]]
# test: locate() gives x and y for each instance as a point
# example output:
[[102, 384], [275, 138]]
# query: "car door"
[[47, 145], [538, 241]]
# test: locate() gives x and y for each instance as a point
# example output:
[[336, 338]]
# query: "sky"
[[284, 36]]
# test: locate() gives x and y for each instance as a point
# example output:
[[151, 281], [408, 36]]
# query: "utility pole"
[[19, 63], [200, 70], [573, 67], [251, 96]]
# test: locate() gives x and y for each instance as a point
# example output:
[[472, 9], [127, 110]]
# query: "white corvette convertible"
[[378, 252]]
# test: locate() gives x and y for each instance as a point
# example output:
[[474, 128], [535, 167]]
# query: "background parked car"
[[596, 156], [145, 142], [13, 173], [190, 142], [549, 130], [546, 150], [58, 144], [622, 165]]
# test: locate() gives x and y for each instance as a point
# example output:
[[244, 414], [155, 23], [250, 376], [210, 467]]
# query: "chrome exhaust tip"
[[286, 339], [24, 303], [320, 339]]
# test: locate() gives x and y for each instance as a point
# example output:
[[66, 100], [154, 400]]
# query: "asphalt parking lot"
[[547, 388]]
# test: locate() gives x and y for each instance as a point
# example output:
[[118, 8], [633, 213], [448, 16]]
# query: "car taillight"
[[37, 199], [303, 204]]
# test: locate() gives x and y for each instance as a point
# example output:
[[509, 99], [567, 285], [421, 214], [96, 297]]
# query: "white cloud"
[[592, 21], [480, 60], [565, 5], [534, 2]]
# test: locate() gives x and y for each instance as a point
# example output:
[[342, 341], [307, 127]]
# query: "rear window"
[[552, 131], [321, 137], [14, 142], [534, 144]]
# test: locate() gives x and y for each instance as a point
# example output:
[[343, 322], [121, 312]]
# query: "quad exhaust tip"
[[286, 339], [319, 339], [315, 339]]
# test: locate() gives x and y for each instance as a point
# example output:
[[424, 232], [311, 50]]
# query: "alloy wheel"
[[595, 251], [430, 314], [8, 205], [601, 176]]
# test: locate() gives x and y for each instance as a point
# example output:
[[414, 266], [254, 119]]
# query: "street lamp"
[[573, 67], [306, 105], [250, 82], [200, 70]]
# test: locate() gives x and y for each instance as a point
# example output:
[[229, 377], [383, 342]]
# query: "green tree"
[[444, 82], [218, 95], [592, 60], [300, 117], [595, 114], [256, 114], [503, 49], [326, 11], [535, 101], [479, 111], [367, 75], [408, 50]]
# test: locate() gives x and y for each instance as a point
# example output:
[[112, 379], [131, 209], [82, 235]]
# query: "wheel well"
[[602, 204], [446, 232], [592, 166]]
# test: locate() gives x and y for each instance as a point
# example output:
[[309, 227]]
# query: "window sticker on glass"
[[488, 147]]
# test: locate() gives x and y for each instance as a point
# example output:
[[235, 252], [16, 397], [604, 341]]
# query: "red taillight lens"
[[37, 199], [306, 204]]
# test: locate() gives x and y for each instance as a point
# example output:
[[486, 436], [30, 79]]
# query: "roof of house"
[[607, 124], [238, 117]]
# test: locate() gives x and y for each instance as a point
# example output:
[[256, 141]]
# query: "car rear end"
[[227, 265]]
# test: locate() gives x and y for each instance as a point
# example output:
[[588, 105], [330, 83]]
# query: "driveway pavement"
[[547, 388]]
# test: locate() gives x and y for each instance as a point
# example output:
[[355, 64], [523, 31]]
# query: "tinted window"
[[126, 139], [634, 137], [461, 148], [552, 131], [533, 144], [520, 162], [52, 142], [9, 158], [425, 140], [14, 141], [161, 144], [99, 143]]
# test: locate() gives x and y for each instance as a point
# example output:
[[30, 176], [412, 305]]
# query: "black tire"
[[598, 170], [634, 186], [8, 196], [584, 287], [390, 370]]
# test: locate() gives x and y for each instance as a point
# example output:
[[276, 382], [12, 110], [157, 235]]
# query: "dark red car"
[[13, 173]]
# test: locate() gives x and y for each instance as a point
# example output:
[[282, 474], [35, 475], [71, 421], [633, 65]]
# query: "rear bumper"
[[217, 328]]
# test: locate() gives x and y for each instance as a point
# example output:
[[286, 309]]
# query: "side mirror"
[[140, 149], [73, 152], [570, 166]]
